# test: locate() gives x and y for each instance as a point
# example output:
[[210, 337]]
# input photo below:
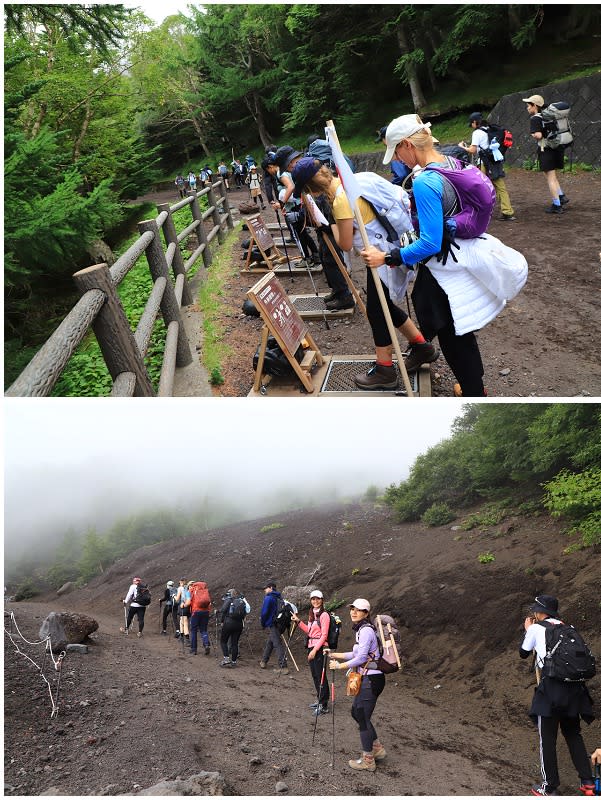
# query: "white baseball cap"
[[360, 604], [316, 593], [399, 129]]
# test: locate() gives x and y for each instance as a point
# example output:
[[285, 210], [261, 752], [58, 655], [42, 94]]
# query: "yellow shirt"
[[341, 208]]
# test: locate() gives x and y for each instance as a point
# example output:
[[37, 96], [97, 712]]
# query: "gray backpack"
[[556, 125]]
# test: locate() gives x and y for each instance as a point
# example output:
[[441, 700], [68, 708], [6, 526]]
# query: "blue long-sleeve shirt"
[[428, 195], [269, 609]]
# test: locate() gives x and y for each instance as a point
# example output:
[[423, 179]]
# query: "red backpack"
[[200, 599]]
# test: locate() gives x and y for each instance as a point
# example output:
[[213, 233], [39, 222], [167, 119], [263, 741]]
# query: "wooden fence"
[[100, 307]]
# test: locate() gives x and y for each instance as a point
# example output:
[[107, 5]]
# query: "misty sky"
[[89, 462]]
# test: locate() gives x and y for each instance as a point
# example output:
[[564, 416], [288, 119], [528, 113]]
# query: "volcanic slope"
[[454, 721]]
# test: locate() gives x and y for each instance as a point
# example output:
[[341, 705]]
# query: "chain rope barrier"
[[57, 662]]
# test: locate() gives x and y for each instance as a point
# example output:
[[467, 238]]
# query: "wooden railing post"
[[216, 217], [177, 265], [207, 256], [112, 329], [226, 204], [169, 306]]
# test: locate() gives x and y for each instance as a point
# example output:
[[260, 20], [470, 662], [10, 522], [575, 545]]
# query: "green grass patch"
[[486, 558], [273, 527], [221, 271], [335, 602]]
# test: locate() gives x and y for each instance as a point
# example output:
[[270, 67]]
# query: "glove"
[[448, 242]]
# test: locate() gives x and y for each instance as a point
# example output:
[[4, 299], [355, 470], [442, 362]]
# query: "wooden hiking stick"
[[338, 260], [378, 284], [389, 643], [289, 652]]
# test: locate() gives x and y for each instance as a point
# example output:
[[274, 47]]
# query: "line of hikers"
[[562, 659]]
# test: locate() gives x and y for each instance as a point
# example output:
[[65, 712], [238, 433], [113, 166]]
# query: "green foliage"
[[335, 603], [486, 518], [355, 571], [577, 496], [371, 493], [486, 558], [273, 527], [26, 590], [438, 514], [216, 378]]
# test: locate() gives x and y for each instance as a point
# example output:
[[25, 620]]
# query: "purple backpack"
[[476, 196]]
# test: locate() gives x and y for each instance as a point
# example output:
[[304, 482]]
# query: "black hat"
[[284, 155], [381, 135], [545, 604], [269, 585], [475, 117]]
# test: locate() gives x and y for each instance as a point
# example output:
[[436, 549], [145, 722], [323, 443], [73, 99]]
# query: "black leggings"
[[317, 666], [230, 635], [136, 611], [363, 707], [375, 314]]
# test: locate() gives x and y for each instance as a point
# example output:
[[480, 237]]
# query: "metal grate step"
[[340, 375]]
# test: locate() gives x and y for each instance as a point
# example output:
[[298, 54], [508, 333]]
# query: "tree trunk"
[[84, 129], [201, 138], [417, 95], [254, 105]]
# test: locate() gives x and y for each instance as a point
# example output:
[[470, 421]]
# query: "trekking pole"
[[277, 216], [333, 705], [290, 652], [296, 238], [125, 612], [326, 653]]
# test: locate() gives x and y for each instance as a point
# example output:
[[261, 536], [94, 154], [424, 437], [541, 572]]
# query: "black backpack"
[[333, 630], [283, 616], [568, 658], [142, 595], [503, 136], [236, 609]]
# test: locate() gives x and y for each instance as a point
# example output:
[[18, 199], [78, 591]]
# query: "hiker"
[[556, 704], [233, 611], [200, 610], [180, 182], [254, 184], [309, 174], [223, 174], [269, 611], [317, 629], [269, 182], [169, 607], [192, 181], [238, 173], [480, 148], [206, 176], [410, 140], [135, 609], [550, 159], [286, 158], [372, 684], [182, 598], [399, 171]]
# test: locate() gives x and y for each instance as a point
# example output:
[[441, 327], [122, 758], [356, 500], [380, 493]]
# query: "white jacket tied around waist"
[[487, 275]]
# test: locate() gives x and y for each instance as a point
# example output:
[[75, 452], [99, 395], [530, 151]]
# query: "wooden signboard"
[[260, 236], [282, 320]]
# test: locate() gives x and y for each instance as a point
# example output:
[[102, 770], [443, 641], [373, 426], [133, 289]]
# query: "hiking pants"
[[375, 315], [136, 611], [363, 707], [316, 669], [503, 196], [199, 622], [548, 728], [231, 631], [274, 642], [167, 609], [463, 357]]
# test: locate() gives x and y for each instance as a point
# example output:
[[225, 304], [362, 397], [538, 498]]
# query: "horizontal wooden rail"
[[100, 309]]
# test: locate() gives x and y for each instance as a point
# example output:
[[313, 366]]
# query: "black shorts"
[[549, 159]]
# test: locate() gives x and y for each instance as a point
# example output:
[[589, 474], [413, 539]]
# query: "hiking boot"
[[379, 753], [508, 217], [282, 670], [341, 303], [421, 353], [226, 662], [553, 209], [176, 635], [321, 710], [163, 633], [540, 790], [123, 630], [139, 634], [313, 706], [329, 297], [377, 377], [563, 199], [587, 789], [233, 664], [207, 651], [262, 664], [362, 763], [193, 652]]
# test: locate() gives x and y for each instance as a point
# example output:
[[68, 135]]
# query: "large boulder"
[[65, 628], [66, 587], [204, 784], [299, 595]]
